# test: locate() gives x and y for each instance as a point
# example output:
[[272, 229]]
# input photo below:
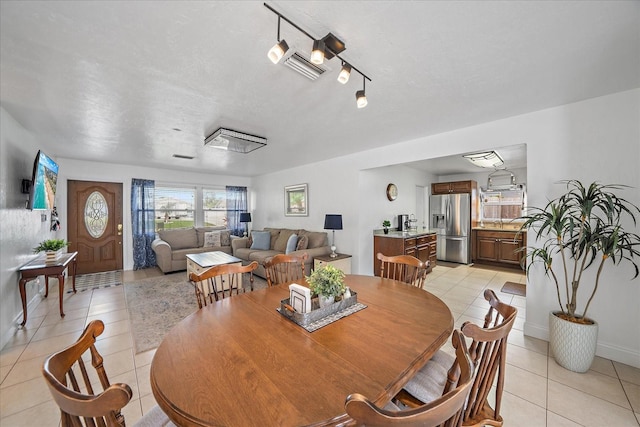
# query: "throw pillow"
[[303, 243], [211, 239], [225, 238], [292, 243], [261, 240]]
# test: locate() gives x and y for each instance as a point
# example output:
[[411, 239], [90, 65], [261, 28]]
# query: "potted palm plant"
[[328, 283], [582, 228], [385, 225]]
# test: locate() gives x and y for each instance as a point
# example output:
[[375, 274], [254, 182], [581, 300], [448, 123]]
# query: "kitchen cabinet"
[[467, 187], [498, 247], [421, 246]]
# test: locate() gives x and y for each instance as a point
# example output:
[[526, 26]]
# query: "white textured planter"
[[573, 345]]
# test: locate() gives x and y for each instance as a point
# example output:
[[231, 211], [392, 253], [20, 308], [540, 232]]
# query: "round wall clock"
[[392, 192]]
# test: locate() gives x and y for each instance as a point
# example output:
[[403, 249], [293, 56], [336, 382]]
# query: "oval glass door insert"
[[96, 214]]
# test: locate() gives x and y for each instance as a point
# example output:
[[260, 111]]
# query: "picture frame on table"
[[296, 200]]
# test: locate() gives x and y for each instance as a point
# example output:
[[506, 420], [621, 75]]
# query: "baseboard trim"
[[15, 324]]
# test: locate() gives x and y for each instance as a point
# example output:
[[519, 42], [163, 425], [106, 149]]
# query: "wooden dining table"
[[239, 362]]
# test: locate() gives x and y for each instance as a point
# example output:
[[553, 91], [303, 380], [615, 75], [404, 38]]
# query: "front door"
[[95, 225]]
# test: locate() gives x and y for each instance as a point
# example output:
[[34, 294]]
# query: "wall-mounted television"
[[43, 183]]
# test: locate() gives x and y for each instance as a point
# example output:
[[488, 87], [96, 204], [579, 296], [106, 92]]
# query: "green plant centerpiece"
[[327, 282], [51, 245], [386, 224], [582, 228]]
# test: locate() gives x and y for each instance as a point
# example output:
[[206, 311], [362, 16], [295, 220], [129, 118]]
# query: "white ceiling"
[[111, 81]]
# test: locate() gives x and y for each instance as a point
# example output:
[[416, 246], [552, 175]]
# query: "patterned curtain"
[[236, 204], [143, 222]]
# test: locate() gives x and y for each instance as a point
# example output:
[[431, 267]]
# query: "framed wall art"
[[296, 200]]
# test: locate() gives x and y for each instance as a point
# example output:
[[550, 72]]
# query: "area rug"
[[157, 304], [514, 288], [105, 279]]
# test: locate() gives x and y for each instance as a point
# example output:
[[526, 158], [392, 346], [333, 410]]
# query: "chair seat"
[[428, 383], [154, 418]]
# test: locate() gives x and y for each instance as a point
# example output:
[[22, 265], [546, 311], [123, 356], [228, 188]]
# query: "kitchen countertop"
[[402, 234]]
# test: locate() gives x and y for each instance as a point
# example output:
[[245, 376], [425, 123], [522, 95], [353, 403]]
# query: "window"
[[214, 205], [503, 204], [181, 207], [175, 207]]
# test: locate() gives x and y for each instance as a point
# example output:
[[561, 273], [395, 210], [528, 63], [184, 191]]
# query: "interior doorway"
[[95, 225]]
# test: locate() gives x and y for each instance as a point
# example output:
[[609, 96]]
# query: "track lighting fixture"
[[317, 53], [361, 98], [324, 48], [279, 49], [345, 72]]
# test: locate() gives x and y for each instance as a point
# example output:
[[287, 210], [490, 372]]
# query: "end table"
[[341, 262]]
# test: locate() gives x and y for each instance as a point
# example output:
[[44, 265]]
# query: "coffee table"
[[199, 263]]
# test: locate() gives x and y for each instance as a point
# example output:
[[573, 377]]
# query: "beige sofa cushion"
[[180, 238], [281, 242], [316, 238]]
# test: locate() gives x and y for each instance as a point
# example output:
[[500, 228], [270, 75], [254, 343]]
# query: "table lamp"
[[245, 217], [333, 222]]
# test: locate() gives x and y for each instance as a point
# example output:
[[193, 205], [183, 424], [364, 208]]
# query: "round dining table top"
[[239, 362]]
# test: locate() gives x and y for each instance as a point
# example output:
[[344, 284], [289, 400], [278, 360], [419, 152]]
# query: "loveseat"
[[172, 246], [314, 243]]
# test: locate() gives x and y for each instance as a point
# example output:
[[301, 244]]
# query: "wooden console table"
[[38, 267]]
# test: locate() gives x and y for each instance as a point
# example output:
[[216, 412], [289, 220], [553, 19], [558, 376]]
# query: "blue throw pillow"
[[261, 240], [292, 243]]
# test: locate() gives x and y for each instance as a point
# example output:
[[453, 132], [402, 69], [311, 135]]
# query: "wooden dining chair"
[[488, 352], [285, 269], [215, 282], [82, 403], [444, 411], [405, 268]]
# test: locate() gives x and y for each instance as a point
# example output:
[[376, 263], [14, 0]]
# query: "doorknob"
[[119, 229]]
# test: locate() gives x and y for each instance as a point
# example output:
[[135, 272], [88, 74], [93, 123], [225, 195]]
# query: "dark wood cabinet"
[[422, 246], [498, 247], [453, 187]]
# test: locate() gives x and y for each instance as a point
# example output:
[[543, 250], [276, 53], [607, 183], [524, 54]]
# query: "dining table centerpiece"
[[327, 283]]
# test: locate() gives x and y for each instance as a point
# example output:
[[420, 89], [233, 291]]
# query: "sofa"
[[172, 246], [314, 243]]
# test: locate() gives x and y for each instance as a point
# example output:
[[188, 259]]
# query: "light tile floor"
[[537, 391]]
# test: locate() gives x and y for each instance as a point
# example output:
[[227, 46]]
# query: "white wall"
[[597, 139], [93, 171], [20, 228]]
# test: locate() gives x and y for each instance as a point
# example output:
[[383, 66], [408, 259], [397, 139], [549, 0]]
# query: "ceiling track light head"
[[318, 52], [276, 53], [361, 97], [345, 72]]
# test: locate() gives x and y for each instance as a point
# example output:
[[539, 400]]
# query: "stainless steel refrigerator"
[[451, 218]]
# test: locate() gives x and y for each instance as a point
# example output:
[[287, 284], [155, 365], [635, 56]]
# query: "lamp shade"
[[333, 222], [245, 217]]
